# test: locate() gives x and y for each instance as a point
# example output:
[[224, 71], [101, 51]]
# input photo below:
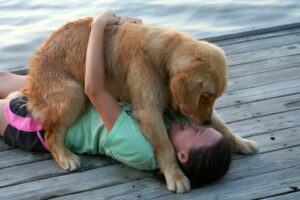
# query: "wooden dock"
[[262, 103]]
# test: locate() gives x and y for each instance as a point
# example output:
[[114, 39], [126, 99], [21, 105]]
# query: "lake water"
[[25, 24]]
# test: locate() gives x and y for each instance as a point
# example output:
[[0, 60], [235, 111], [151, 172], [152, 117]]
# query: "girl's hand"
[[106, 17], [124, 19]]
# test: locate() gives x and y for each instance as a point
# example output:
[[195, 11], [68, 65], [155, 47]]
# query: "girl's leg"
[[10, 83], [3, 122]]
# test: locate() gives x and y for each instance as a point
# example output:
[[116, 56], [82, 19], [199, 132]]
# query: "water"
[[25, 24]]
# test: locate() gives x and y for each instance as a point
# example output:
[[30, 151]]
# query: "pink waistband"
[[27, 124]]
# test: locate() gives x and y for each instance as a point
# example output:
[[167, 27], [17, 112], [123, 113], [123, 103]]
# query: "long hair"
[[208, 164]]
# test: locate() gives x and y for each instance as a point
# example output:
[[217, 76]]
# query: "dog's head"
[[196, 86]]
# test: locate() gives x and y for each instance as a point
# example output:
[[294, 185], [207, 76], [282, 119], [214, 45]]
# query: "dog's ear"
[[185, 91]]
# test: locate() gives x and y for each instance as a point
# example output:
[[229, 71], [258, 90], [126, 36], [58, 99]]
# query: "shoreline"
[[213, 37]]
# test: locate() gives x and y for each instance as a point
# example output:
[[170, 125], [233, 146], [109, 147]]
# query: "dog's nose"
[[207, 122]]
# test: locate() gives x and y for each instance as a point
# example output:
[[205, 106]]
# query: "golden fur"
[[150, 67]]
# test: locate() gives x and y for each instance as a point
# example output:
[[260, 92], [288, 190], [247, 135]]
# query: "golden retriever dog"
[[150, 67]]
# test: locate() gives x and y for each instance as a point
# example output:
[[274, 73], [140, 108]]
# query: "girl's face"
[[185, 136]]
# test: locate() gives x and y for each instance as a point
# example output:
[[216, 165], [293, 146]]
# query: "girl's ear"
[[183, 157]]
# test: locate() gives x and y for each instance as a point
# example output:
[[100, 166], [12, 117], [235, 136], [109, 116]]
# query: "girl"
[[108, 127]]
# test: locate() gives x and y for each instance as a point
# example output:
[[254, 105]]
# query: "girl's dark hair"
[[208, 164]]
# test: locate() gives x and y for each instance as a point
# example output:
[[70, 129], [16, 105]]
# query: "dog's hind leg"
[[61, 108]]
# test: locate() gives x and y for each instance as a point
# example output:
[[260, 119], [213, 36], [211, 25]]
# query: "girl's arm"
[[8, 83], [105, 104]]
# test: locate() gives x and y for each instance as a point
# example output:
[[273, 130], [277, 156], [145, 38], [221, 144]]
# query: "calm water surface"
[[25, 24]]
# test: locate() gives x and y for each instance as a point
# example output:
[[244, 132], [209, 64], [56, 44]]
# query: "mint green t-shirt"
[[124, 142]]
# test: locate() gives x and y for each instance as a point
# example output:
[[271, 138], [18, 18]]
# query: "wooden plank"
[[255, 187], [277, 63], [46, 169], [147, 188], [265, 54], [18, 156], [264, 163], [260, 108], [74, 182], [263, 78], [241, 171], [264, 124], [261, 44], [3, 145], [258, 93], [289, 196], [277, 140], [256, 36], [274, 141]]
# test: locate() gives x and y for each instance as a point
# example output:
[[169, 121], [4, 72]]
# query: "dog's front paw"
[[177, 181], [247, 146], [69, 161]]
